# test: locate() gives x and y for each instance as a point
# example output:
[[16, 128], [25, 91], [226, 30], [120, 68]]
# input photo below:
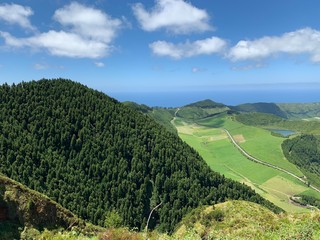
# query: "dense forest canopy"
[[94, 155], [304, 151]]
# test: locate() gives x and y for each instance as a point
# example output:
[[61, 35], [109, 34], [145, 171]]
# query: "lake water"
[[283, 132]]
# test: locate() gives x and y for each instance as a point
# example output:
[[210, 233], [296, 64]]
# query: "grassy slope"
[[29, 211], [163, 117], [243, 220], [223, 157], [229, 220]]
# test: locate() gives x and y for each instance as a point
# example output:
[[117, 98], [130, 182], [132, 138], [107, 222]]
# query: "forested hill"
[[304, 151], [207, 103], [270, 108], [93, 155]]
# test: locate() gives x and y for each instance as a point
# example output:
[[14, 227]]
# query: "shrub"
[[113, 219], [216, 215]]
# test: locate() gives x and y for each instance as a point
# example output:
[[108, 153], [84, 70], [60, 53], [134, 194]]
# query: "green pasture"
[[258, 142], [220, 154]]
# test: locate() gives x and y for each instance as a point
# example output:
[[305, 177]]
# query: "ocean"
[[228, 97]]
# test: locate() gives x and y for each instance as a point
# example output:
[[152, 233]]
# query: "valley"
[[221, 155], [209, 136], [159, 120], [124, 166], [109, 164]]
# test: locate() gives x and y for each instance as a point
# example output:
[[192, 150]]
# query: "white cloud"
[[188, 49], [39, 66], [88, 22], [60, 44], [303, 41], [176, 16], [16, 14], [89, 33], [99, 64]]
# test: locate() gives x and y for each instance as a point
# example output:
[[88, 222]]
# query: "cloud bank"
[[188, 49], [87, 33], [303, 41]]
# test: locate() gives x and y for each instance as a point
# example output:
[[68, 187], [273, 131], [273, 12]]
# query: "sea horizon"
[[228, 97]]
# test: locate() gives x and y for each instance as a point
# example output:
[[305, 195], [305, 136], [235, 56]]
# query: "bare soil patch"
[[239, 138]]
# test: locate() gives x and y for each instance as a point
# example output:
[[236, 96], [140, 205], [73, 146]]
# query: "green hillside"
[[212, 143], [25, 212], [201, 109], [258, 119], [272, 121], [95, 156], [242, 220], [304, 151], [301, 110], [162, 116], [261, 107], [138, 107], [293, 111], [207, 103], [255, 132]]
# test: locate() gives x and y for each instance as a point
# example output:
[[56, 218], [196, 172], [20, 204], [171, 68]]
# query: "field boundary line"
[[248, 156]]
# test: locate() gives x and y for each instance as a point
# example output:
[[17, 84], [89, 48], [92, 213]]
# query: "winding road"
[[175, 116], [247, 155]]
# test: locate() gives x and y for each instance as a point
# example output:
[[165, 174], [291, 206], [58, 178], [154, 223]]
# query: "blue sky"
[[133, 50]]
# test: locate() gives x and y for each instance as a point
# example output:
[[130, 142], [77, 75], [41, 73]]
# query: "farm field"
[[214, 146], [256, 141]]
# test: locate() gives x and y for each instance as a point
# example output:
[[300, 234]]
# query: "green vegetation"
[[201, 109], [113, 219], [138, 107], [243, 220], [300, 110], [309, 127], [216, 149], [272, 121], [162, 116], [207, 103], [26, 212], [307, 200], [258, 119], [92, 154], [270, 108], [304, 151], [194, 113], [256, 141]]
